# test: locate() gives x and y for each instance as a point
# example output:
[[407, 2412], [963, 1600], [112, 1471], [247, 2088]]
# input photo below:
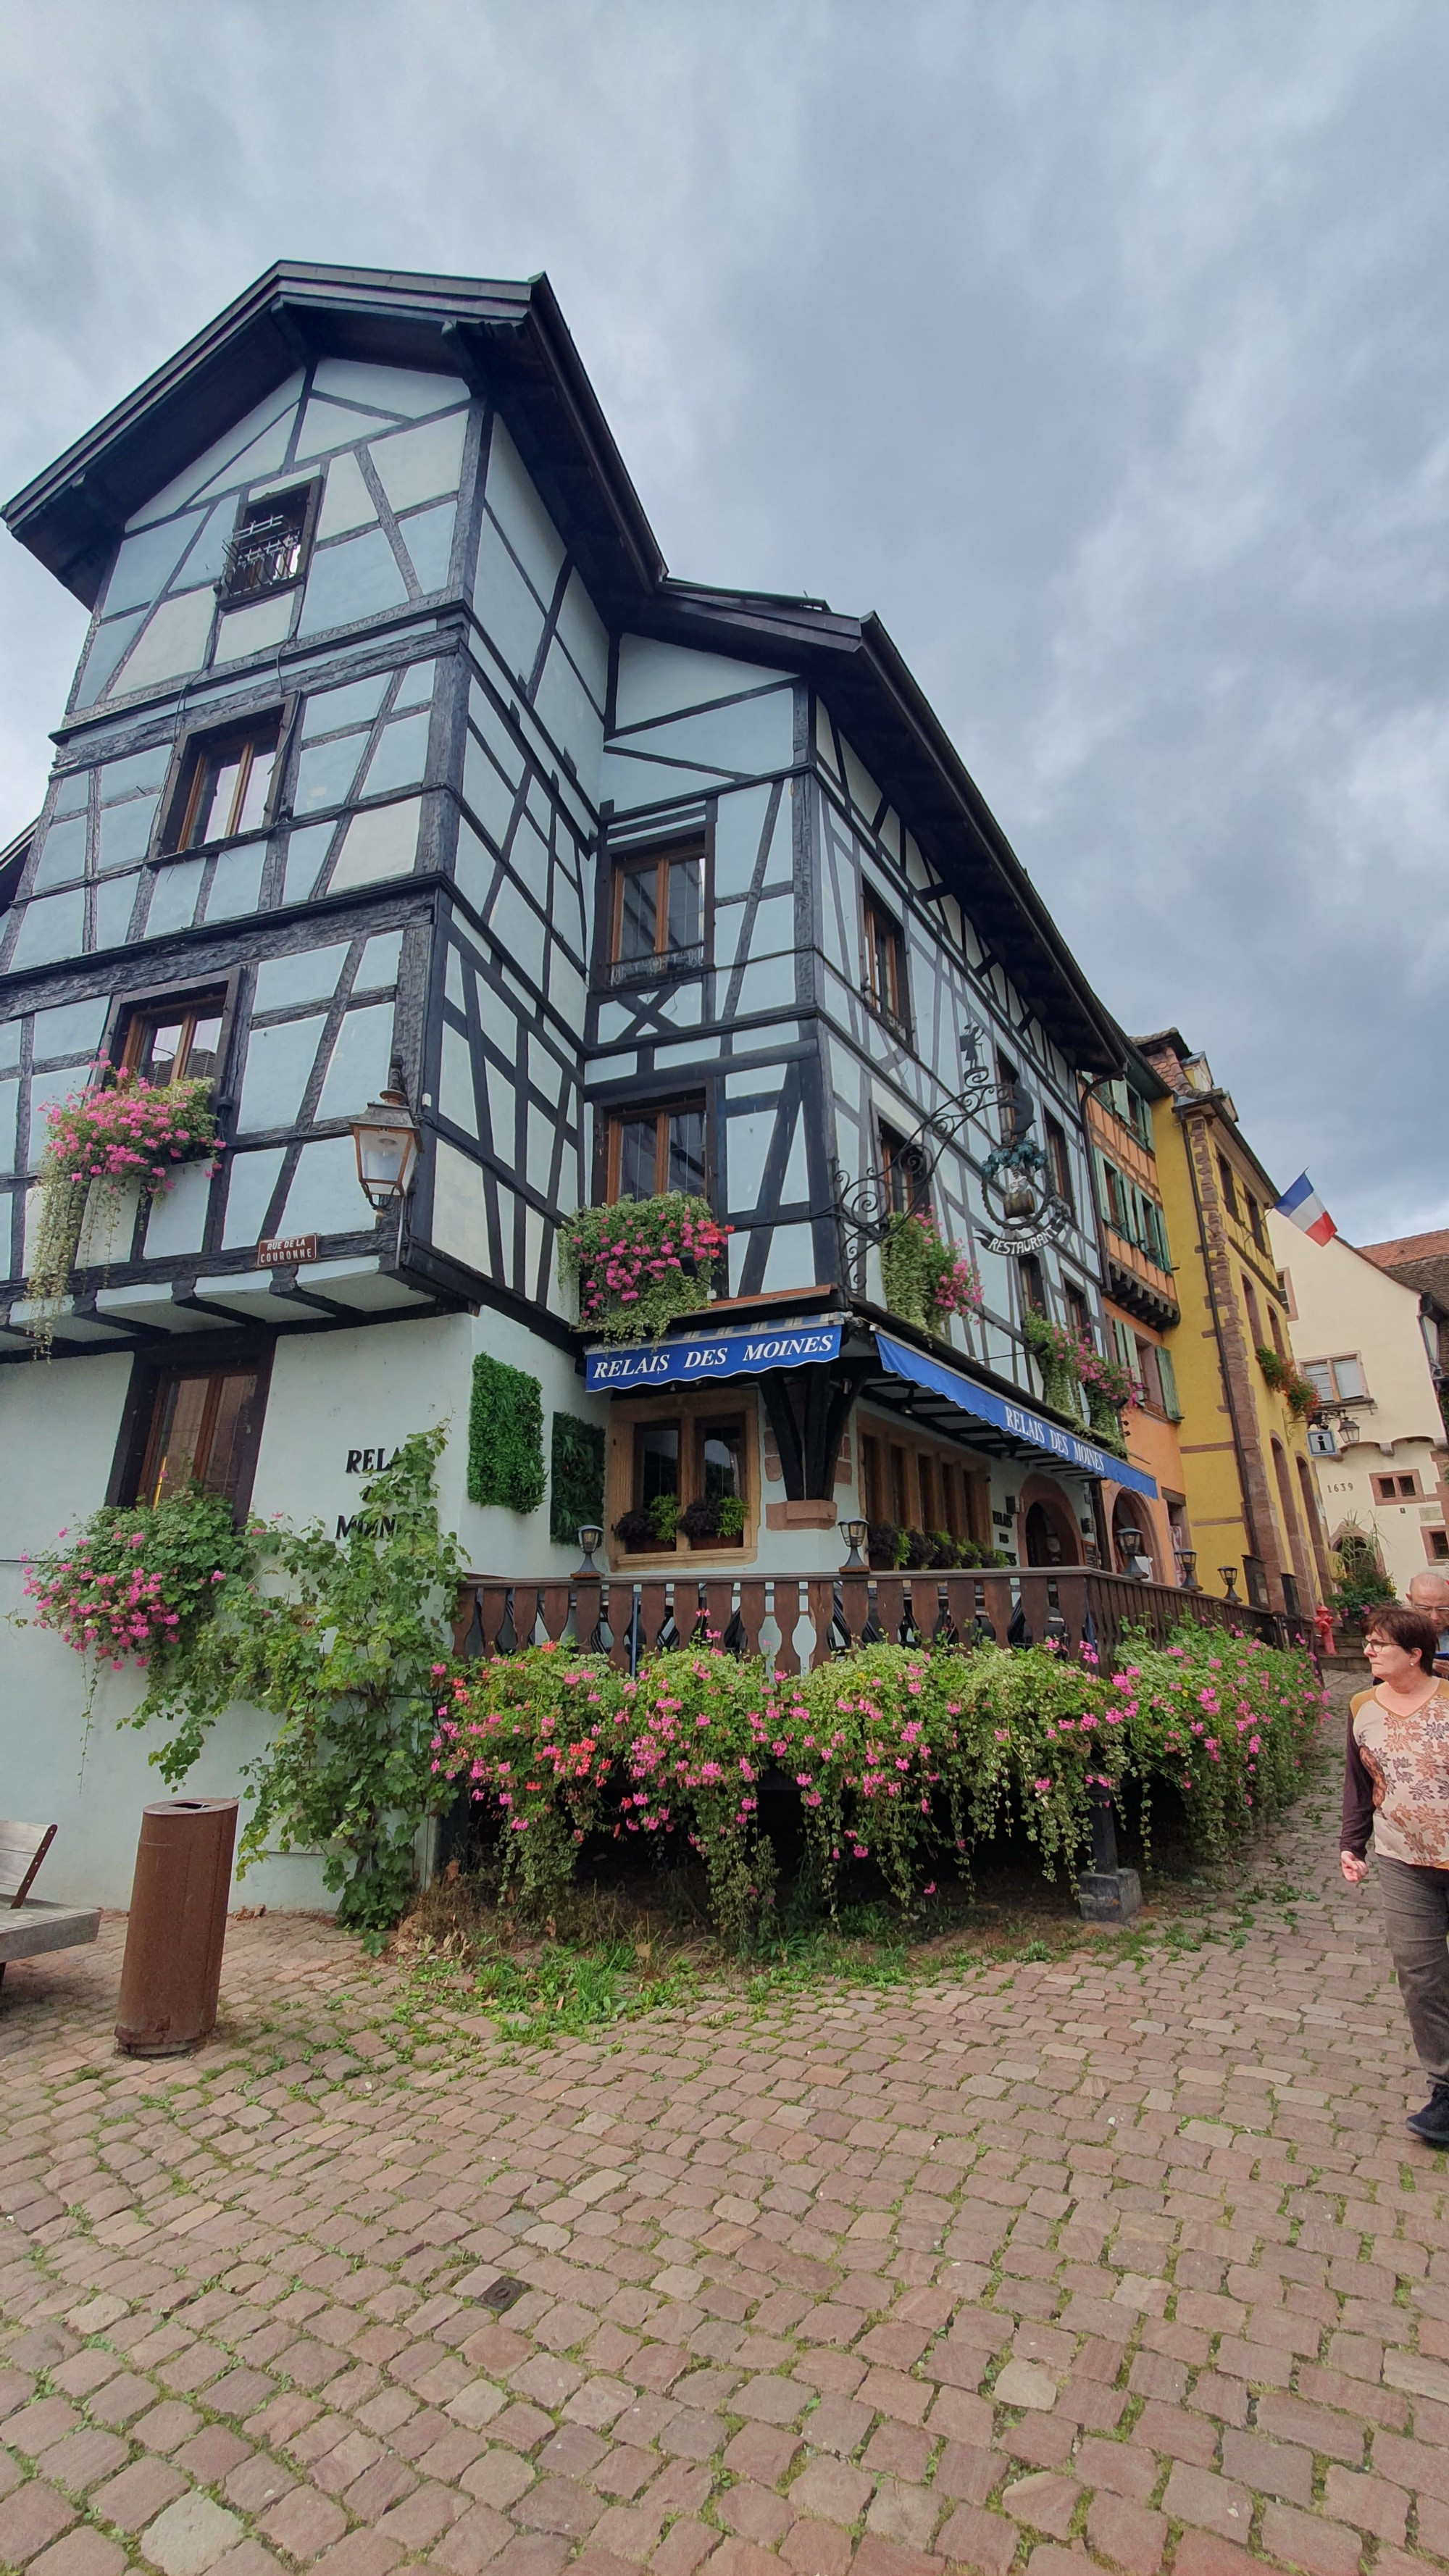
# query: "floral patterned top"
[[1397, 1782]]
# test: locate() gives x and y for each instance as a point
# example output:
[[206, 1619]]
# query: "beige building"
[[1379, 1439]]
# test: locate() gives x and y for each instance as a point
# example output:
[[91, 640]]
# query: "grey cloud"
[[1099, 348]]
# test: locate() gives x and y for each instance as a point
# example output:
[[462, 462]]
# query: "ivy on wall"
[[576, 1490], [505, 1437]]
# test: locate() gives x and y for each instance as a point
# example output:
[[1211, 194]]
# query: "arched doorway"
[[1132, 1538], [1049, 1534]]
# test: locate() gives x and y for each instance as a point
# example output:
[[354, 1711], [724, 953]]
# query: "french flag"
[[1303, 1204]]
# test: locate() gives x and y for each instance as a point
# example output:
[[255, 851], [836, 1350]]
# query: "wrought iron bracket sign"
[[1026, 1213]]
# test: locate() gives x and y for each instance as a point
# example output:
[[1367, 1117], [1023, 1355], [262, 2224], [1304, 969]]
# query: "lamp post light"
[[1187, 1559], [385, 1139], [590, 1537], [1229, 1574], [854, 1534]]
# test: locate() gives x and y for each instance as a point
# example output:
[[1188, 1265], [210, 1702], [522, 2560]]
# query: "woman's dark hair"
[[1412, 1629]]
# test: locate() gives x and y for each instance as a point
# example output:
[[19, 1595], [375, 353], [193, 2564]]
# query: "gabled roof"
[[1408, 1247], [510, 336]]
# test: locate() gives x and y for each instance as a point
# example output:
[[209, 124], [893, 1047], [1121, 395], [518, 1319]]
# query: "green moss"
[[576, 1485], [505, 1437]]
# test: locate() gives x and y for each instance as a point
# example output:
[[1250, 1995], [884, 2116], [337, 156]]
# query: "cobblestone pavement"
[[1124, 2258]]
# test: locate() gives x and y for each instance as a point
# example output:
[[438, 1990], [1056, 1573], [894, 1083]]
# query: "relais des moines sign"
[[726, 1355]]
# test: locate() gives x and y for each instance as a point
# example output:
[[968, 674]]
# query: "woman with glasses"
[[1396, 1785]]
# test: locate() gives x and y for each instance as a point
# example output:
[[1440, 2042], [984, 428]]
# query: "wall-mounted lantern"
[[385, 1137]]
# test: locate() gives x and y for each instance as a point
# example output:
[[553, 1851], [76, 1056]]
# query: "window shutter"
[[1165, 1370]]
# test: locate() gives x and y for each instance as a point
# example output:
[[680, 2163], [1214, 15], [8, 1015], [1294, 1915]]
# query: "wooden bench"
[[27, 1924]]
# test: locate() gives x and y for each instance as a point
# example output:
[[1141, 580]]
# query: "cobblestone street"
[[1122, 2258]]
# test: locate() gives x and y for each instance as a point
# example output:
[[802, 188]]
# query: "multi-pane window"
[[227, 783], [885, 962], [175, 1041], [1228, 1185], [658, 923], [269, 546], [655, 1149], [1337, 1381], [1078, 1312], [202, 1431], [684, 1460], [1033, 1287], [1396, 1489], [1255, 1221]]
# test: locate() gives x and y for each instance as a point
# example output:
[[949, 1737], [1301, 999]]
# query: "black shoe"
[[1432, 2123]]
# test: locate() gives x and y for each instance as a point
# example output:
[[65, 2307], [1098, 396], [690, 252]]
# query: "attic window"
[[269, 548]]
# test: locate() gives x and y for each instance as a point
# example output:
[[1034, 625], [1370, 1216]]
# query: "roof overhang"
[[510, 338], [512, 335]]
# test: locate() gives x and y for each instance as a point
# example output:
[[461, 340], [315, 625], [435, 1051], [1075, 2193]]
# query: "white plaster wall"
[[58, 1429], [329, 1393], [1346, 1304]]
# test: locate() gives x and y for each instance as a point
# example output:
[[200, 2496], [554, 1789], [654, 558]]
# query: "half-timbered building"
[[395, 756]]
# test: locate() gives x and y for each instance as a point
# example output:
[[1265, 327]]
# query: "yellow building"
[[1139, 1301], [1251, 1496]]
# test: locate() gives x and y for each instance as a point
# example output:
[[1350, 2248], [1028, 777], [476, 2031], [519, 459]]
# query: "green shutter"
[[1170, 1403]]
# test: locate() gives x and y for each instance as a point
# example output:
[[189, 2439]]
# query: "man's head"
[[1431, 1592]]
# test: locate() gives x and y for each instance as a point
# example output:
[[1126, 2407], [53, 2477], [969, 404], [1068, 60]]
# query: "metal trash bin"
[[171, 1973]]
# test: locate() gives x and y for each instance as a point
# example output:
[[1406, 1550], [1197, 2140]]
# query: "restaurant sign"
[[724, 1355]]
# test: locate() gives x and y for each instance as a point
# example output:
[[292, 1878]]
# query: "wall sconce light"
[[385, 1139], [854, 1534]]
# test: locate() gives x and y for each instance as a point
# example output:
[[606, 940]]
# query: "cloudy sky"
[[1098, 345]]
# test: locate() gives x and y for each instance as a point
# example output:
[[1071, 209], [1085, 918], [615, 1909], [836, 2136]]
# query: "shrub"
[[902, 1757], [505, 1437]]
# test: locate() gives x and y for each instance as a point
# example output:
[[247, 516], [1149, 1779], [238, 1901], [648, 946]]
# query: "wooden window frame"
[[619, 1112], [130, 1009], [1227, 1184], [692, 1408], [889, 1487], [1335, 1394], [143, 1015], [192, 756], [662, 964], [883, 940], [205, 1354], [308, 489]]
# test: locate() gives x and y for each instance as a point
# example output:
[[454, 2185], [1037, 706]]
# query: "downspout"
[[1178, 1107]]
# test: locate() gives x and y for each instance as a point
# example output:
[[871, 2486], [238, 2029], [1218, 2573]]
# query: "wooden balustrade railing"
[[800, 1620]]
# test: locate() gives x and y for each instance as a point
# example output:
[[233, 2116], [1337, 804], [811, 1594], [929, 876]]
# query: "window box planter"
[[641, 1264]]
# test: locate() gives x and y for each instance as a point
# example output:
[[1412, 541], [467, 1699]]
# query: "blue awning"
[[998, 1410], [722, 1355]]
